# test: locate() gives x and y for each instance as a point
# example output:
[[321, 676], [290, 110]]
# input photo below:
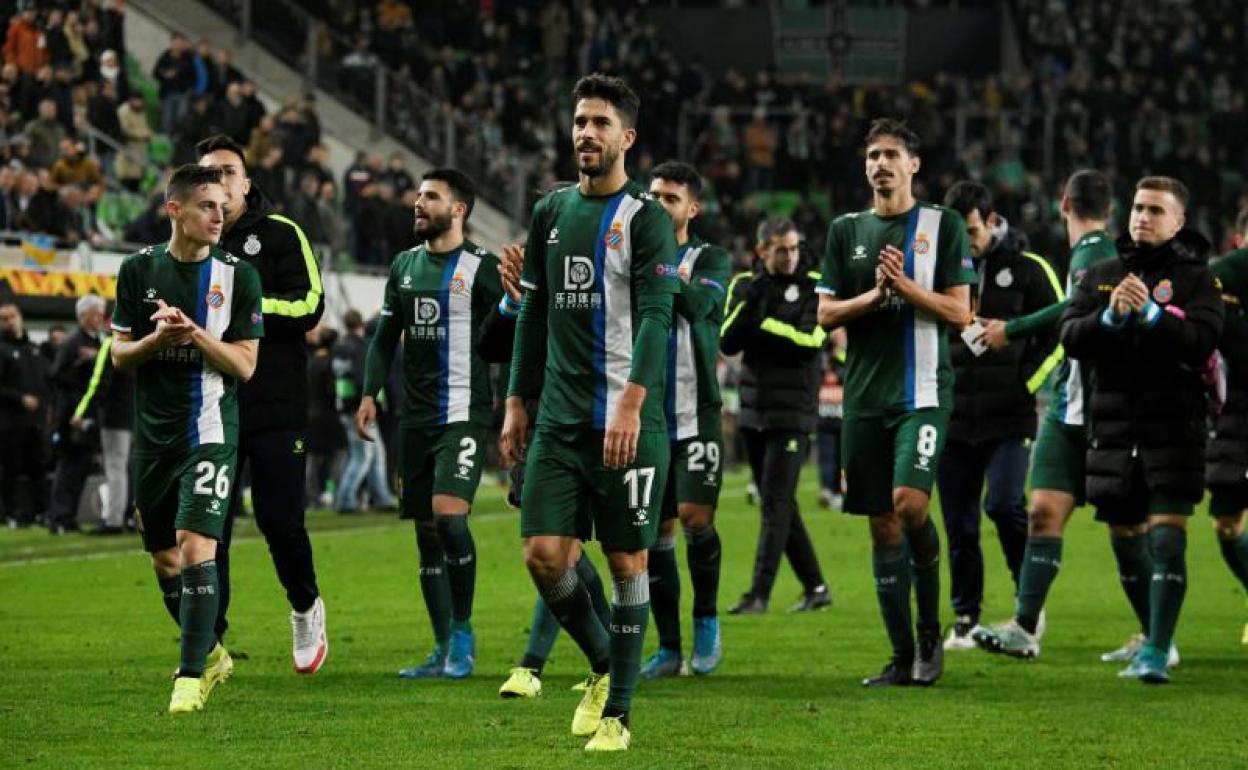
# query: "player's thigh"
[[556, 498], [417, 449], [626, 500], [457, 461], [918, 441], [154, 478], [696, 475], [1059, 459], [867, 459], [205, 481]]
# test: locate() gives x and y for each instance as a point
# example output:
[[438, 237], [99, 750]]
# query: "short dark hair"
[[1166, 184], [613, 91], [462, 186], [352, 320], [188, 178], [1241, 224], [1090, 194], [967, 196], [773, 226], [896, 129], [680, 173], [221, 142]]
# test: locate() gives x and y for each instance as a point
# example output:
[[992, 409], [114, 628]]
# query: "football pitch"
[[87, 651]]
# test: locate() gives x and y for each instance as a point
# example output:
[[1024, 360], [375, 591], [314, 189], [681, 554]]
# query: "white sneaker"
[[310, 643], [1173, 659], [960, 635], [1042, 625], [1127, 652]]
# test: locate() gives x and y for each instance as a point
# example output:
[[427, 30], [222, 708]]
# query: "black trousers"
[[278, 465], [23, 471], [964, 470], [73, 465], [776, 459]]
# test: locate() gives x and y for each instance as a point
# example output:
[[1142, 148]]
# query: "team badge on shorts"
[[215, 297], [1163, 292], [614, 236]]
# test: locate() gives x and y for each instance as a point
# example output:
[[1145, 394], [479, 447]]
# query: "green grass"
[[87, 649]]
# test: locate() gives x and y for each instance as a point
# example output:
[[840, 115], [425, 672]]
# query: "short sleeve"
[[247, 316], [833, 251], [654, 252], [956, 267], [126, 309]]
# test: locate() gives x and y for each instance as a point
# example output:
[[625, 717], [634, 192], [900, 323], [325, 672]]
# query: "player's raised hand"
[[514, 438], [365, 417], [173, 328], [510, 267]]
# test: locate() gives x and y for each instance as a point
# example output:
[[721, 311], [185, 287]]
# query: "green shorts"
[[884, 453], [1227, 499], [1059, 459], [438, 460], [566, 489], [187, 489], [695, 475]]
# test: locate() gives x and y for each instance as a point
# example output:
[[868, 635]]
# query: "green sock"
[[891, 566], [925, 561], [593, 585], [198, 613], [171, 593], [569, 602], [665, 591], [1135, 573], [434, 585], [1042, 559], [1169, 546], [1235, 552], [629, 613], [461, 566], [703, 551], [543, 631]]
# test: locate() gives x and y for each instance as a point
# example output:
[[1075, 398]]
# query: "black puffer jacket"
[[1227, 461], [773, 321], [994, 395], [1149, 403], [290, 277]]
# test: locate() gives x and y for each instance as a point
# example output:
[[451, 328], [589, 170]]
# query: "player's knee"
[[667, 528], [167, 563], [195, 548], [695, 518], [886, 530], [544, 562], [910, 504], [625, 564]]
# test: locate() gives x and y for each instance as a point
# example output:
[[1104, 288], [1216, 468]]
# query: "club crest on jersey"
[[614, 236], [1163, 292], [1005, 278], [251, 247], [792, 293], [457, 287], [215, 298], [921, 244]]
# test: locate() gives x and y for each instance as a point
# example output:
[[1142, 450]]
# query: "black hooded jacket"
[[276, 397], [1149, 401], [994, 394]]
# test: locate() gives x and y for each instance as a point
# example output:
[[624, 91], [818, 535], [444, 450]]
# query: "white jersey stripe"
[[459, 338], [618, 304], [209, 423], [926, 329], [686, 380]]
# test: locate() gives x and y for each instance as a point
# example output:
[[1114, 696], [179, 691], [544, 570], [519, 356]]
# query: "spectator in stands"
[[75, 38], [132, 116], [102, 115], [224, 74], [70, 375], [198, 123], [175, 74], [76, 167], [398, 176], [235, 115], [55, 41], [270, 175], [253, 100], [111, 72], [112, 23], [152, 226], [303, 208], [23, 44], [298, 132], [23, 410], [761, 144], [317, 163], [348, 368], [356, 177], [75, 218], [45, 133], [556, 26], [8, 181], [331, 217], [261, 139], [34, 208]]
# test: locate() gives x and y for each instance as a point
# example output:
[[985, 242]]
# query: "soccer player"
[[1146, 324], [1058, 465], [188, 320], [599, 276], [994, 413], [437, 296], [693, 424], [273, 406], [1228, 444], [896, 276]]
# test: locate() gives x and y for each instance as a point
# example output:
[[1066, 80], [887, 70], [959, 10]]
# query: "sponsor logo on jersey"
[[1163, 292], [922, 244], [215, 298], [251, 247], [428, 311], [578, 273], [614, 236], [1005, 278]]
